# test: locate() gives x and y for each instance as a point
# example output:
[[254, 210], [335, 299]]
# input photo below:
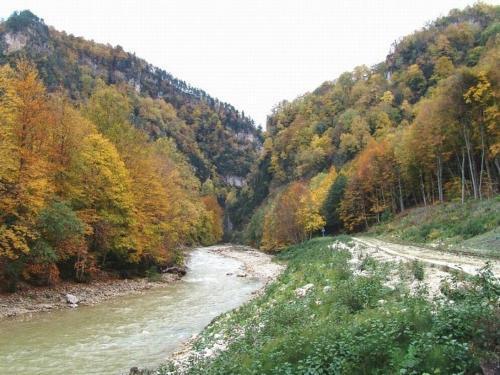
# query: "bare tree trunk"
[[439, 175], [471, 163], [383, 196], [497, 164], [484, 147], [431, 195], [463, 175], [401, 202], [423, 188], [364, 212], [483, 153], [394, 204]]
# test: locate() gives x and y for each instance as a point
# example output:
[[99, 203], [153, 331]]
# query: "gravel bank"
[[32, 300]]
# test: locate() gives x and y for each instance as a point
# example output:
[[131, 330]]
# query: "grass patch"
[[351, 323]]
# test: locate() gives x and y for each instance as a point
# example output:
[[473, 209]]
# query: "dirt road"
[[465, 263]]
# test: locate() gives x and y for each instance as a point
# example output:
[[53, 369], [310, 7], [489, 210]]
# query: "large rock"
[[72, 299]]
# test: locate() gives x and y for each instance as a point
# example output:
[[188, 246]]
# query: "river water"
[[139, 330]]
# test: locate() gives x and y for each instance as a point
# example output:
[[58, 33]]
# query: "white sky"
[[250, 53]]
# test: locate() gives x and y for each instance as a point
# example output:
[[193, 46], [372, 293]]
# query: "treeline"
[[218, 139], [83, 191], [420, 128]]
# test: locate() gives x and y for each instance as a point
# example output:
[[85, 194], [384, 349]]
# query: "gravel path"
[[465, 263]]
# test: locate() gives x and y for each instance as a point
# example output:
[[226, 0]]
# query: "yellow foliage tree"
[[101, 192], [24, 182]]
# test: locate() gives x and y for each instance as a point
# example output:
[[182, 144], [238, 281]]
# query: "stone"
[[327, 289], [489, 367], [301, 292], [181, 271], [242, 274], [72, 299]]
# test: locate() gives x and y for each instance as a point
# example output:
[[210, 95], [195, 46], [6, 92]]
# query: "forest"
[[109, 164], [419, 129], [84, 191], [211, 133]]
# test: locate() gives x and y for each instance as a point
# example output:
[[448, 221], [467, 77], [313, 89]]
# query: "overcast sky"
[[250, 53]]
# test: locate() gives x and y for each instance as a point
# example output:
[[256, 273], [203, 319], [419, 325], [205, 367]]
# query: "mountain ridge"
[[75, 64]]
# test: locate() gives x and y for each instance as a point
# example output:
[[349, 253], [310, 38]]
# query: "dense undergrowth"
[[352, 323], [471, 227]]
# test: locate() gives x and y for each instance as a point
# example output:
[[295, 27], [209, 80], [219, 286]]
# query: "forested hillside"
[[83, 190], [106, 162], [221, 142], [420, 128], [109, 163]]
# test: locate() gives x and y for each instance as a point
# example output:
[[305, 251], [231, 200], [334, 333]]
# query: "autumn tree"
[[24, 180]]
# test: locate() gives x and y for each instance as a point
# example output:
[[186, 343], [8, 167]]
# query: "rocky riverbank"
[[254, 263], [30, 300]]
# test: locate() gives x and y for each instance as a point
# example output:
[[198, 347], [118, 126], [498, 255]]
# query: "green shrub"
[[152, 274], [417, 269]]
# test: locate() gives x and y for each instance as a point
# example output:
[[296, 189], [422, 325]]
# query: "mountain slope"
[[417, 129], [108, 165], [221, 142]]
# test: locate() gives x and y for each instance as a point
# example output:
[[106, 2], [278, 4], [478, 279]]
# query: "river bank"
[[255, 264], [31, 300]]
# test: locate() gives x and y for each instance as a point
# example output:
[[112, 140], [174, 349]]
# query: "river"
[[137, 330]]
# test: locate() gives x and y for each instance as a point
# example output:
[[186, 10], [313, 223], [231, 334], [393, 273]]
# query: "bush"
[[152, 274], [417, 269], [472, 227]]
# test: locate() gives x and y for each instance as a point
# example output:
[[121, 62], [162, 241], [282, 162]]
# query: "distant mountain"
[[220, 142]]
